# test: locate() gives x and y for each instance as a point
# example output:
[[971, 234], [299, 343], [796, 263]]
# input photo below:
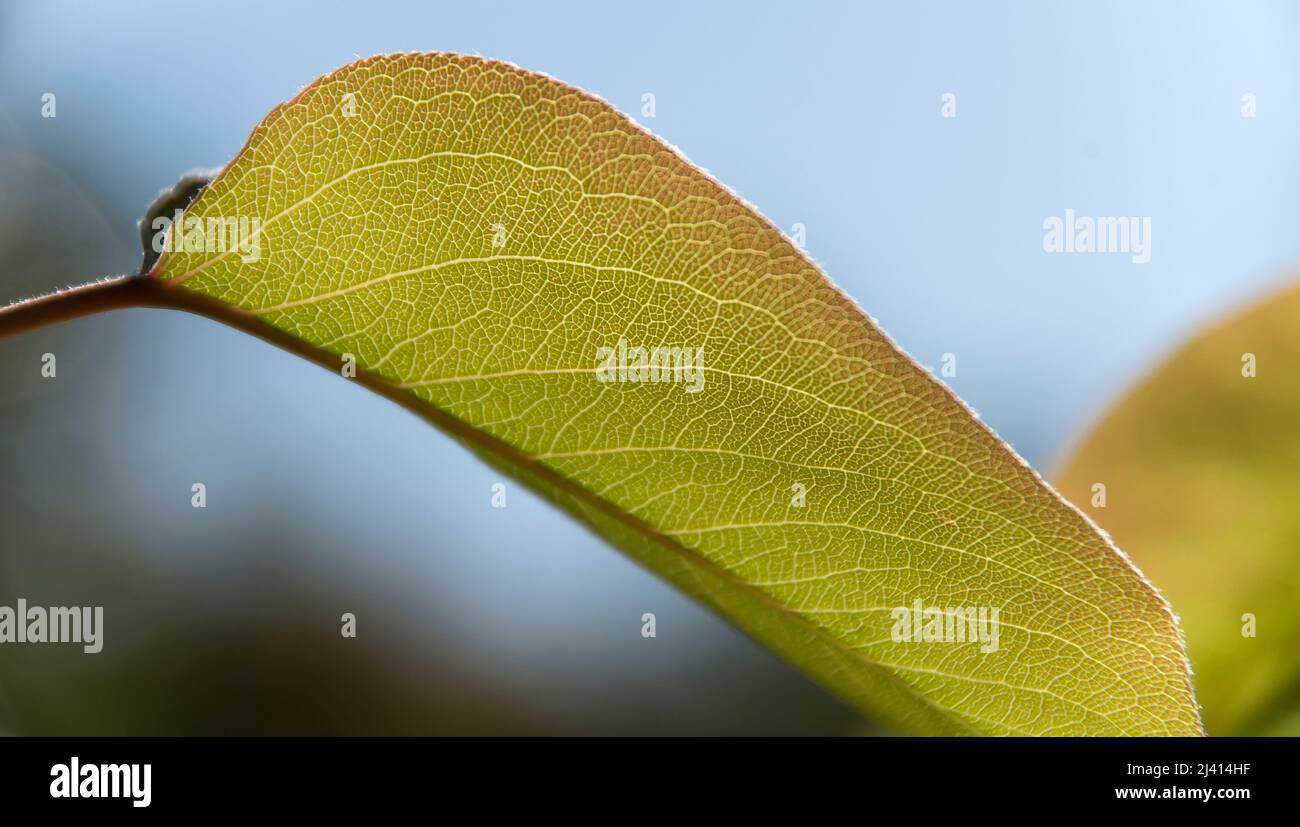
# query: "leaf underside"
[[473, 233], [1202, 468]]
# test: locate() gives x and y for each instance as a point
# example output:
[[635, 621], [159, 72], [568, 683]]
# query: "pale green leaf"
[[1201, 464], [473, 233]]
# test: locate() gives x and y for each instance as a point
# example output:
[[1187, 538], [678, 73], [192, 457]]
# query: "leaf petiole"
[[73, 303]]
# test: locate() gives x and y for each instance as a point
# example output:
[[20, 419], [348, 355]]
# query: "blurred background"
[[324, 499]]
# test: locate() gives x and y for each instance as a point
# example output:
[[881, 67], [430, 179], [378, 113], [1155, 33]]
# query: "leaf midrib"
[[161, 294]]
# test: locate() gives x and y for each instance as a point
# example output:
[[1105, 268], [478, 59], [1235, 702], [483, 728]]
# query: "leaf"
[[1202, 472], [473, 234]]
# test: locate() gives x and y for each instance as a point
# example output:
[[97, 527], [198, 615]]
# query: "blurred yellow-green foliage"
[[1201, 468]]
